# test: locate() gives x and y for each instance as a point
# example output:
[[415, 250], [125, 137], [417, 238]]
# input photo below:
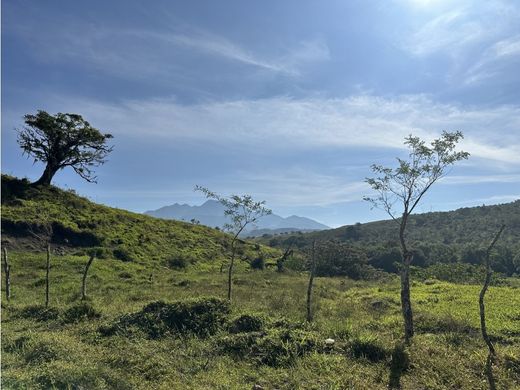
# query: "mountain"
[[211, 213], [32, 216]]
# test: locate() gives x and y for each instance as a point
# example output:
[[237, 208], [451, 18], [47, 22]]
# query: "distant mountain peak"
[[211, 213]]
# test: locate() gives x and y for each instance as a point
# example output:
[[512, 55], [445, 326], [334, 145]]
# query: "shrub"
[[39, 313], [274, 347], [201, 317], [444, 324], [80, 312], [258, 262], [177, 262], [246, 323], [123, 254], [43, 351], [368, 348]]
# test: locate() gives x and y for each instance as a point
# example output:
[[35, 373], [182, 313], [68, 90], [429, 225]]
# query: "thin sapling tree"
[[399, 190], [242, 211]]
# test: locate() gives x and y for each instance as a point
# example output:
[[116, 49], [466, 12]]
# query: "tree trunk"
[[311, 280], [84, 281], [487, 280], [7, 270], [47, 275], [406, 303], [46, 177], [230, 270]]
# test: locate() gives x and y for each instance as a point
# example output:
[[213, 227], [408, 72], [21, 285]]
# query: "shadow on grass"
[[400, 363], [489, 372]]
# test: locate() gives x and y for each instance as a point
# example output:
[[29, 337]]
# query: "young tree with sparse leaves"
[[400, 189], [242, 211], [63, 140]]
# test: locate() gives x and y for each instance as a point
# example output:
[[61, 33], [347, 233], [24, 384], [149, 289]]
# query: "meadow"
[[260, 339]]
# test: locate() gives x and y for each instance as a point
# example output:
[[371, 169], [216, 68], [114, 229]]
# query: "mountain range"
[[211, 213]]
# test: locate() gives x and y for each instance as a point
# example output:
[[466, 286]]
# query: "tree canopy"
[[63, 140]]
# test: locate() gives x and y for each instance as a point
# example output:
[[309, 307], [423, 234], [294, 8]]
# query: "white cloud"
[[283, 122]]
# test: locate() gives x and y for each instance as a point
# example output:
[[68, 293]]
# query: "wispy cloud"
[[283, 122], [446, 32], [494, 59], [137, 52]]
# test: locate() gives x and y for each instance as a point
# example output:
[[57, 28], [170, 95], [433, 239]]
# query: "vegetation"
[[446, 245], [156, 313], [261, 338], [399, 191], [241, 211], [80, 226], [63, 140]]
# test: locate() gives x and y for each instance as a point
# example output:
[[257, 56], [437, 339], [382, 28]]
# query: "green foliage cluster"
[[201, 317]]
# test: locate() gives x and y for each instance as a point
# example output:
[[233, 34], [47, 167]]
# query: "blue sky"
[[290, 101]]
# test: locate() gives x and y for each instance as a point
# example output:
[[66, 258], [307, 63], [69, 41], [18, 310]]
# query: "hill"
[[211, 213], [78, 224], [437, 237]]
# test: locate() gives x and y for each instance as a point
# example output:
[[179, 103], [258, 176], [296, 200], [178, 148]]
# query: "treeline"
[[360, 259]]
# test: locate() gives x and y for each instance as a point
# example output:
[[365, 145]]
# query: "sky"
[[289, 101]]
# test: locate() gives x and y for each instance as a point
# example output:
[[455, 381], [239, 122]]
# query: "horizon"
[[232, 97]]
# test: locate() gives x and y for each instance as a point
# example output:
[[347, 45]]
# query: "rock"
[[258, 387], [329, 342]]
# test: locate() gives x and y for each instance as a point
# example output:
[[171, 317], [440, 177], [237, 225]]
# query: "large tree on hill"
[[400, 189], [63, 140], [242, 211]]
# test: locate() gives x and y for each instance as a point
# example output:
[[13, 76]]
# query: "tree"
[[242, 211], [63, 140], [487, 280], [399, 191], [312, 272]]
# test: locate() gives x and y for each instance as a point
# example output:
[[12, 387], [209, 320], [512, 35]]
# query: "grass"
[[79, 225], [62, 347]]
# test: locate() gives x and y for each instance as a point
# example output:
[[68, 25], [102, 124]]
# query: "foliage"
[[201, 317], [82, 311], [247, 323], [63, 140], [399, 190], [340, 259], [242, 210]]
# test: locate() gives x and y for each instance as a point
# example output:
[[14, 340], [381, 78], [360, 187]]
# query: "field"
[[68, 345]]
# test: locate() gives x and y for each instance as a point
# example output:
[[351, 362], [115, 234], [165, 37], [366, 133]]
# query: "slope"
[[77, 224]]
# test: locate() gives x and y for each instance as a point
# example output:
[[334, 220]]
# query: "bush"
[[275, 348], [201, 317], [258, 262], [43, 351], [40, 313], [177, 262], [123, 254], [368, 348], [246, 323], [80, 312], [444, 324]]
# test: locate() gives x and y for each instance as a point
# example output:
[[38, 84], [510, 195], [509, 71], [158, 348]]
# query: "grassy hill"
[[78, 225]]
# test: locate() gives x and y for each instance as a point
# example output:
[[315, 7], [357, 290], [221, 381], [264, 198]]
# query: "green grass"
[[363, 317], [79, 224]]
